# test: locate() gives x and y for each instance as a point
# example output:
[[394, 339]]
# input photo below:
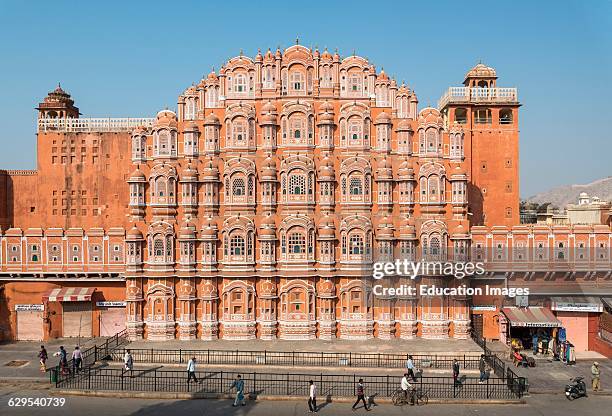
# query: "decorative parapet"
[[464, 95], [86, 125]]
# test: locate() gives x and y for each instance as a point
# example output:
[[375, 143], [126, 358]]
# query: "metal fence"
[[278, 384], [295, 358], [90, 356], [520, 385]]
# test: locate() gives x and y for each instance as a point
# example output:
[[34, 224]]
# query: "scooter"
[[575, 389]]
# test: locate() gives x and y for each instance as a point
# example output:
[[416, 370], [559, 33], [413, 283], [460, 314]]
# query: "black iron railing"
[[295, 358], [519, 385], [89, 357], [279, 384]]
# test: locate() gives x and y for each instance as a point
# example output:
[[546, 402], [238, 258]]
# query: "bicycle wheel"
[[422, 398], [397, 398]]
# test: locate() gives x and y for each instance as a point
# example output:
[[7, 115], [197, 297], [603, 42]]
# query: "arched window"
[[240, 83], [297, 243], [355, 186], [297, 184], [505, 116], [297, 81], [356, 244], [238, 187], [237, 246], [460, 116], [239, 132]]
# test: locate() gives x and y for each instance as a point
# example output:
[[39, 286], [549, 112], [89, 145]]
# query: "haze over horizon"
[[124, 59]]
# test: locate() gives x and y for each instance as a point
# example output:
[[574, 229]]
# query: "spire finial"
[[297, 40], [241, 52]]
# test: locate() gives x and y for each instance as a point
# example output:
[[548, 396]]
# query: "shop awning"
[[70, 294], [576, 304], [531, 317]]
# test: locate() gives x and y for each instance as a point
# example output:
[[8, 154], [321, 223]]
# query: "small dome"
[[139, 130], [404, 125], [481, 71], [268, 107], [209, 227], [210, 169], [405, 169], [187, 231], [166, 118], [211, 119], [268, 168], [137, 175], [326, 288], [134, 234], [382, 76], [382, 118], [190, 126], [326, 55], [458, 172], [267, 288], [212, 76], [459, 230], [326, 107], [326, 168], [189, 172], [268, 119], [326, 118], [430, 116]]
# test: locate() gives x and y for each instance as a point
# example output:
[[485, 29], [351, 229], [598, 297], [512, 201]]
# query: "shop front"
[[529, 328], [76, 310], [578, 315]]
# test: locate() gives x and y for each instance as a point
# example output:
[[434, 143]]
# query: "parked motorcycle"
[[576, 388]]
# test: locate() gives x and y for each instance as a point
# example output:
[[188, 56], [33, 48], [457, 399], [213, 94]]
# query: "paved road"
[[537, 405]]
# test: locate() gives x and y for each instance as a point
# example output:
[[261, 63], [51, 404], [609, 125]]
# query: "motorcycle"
[[576, 388]]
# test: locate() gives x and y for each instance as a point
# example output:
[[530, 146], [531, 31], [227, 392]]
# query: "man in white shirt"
[[191, 369], [312, 399], [407, 389]]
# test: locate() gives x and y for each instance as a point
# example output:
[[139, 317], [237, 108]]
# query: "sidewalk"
[[395, 346], [28, 351], [552, 376]]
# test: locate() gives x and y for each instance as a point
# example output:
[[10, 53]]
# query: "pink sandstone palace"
[[257, 209]]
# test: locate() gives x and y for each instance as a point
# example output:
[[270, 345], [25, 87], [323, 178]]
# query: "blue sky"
[[130, 58]]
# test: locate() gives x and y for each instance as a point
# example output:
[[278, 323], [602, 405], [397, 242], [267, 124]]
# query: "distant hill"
[[568, 194]]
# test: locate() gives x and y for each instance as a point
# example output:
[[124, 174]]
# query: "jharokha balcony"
[[463, 95]]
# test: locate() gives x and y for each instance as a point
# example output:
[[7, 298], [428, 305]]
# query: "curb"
[[257, 366], [199, 396], [557, 392]]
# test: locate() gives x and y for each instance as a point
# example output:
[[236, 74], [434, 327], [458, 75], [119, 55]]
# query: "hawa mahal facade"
[[257, 209]]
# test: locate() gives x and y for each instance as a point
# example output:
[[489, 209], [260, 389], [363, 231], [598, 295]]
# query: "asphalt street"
[[537, 405]]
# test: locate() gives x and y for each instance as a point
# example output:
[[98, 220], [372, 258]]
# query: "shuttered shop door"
[[77, 319], [112, 320], [29, 326]]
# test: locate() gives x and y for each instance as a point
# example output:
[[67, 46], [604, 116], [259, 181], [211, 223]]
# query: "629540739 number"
[[36, 401]]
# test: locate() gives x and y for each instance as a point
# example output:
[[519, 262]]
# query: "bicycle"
[[399, 398]]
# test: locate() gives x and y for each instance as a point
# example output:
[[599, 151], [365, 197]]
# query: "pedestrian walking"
[[410, 368], [77, 360], [312, 398], [128, 362], [63, 360], [534, 343], [595, 374], [456, 372], [361, 396], [43, 356], [191, 369], [238, 384], [482, 367]]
